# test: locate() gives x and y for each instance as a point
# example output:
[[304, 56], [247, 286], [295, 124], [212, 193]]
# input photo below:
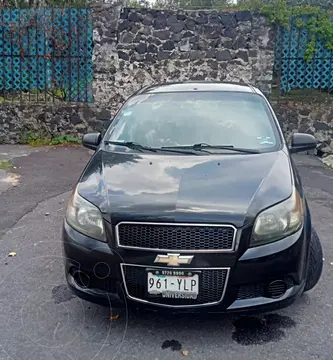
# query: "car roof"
[[189, 86]]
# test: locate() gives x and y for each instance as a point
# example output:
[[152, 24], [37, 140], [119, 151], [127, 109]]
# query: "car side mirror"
[[302, 142], [91, 140]]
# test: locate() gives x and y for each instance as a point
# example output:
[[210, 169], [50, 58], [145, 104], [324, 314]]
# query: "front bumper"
[[245, 285]]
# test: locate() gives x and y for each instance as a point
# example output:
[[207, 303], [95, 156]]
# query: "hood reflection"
[[185, 188]]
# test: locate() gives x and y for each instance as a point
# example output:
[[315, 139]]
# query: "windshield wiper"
[[131, 145], [225, 147], [139, 147], [178, 150], [203, 146]]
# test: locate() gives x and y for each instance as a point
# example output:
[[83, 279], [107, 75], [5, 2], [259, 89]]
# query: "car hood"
[[227, 188]]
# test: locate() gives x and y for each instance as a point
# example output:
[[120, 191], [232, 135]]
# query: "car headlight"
[[278, 221], [85, 217]]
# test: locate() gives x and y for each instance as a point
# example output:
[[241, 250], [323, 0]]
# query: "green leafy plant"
[[32, 138], [314, 18], [29, 137], [5, 165], [65, 140]]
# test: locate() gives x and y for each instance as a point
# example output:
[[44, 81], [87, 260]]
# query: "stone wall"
[[18, 121], [149, 46], [311, 118]]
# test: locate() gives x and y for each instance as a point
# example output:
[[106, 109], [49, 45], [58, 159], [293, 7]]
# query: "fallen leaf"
[[12, 253], [185, 352], [114, 317]]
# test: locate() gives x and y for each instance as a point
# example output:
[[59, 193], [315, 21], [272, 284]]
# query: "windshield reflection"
[[182, 119]]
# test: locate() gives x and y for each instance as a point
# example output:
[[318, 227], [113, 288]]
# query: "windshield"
[[241, 120]]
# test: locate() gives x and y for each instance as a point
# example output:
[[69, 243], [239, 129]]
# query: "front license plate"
[[174, 284]]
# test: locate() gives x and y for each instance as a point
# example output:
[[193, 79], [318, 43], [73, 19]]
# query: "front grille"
[[211, 286], [179, 237]]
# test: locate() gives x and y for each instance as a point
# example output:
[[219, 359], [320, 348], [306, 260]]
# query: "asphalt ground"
[[41, 319]]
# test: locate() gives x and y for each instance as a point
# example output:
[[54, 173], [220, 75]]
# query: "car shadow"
[[208, 328]]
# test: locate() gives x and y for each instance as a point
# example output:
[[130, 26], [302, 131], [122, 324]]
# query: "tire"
[[315, 263]]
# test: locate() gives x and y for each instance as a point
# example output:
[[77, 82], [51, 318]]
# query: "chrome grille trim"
[[123, 265], [232, 249]]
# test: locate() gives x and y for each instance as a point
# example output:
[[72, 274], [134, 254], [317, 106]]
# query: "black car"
[[192, 202]]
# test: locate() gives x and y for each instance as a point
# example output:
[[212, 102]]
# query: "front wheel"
[[315, 263]]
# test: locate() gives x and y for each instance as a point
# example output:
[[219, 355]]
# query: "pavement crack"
[[32, 208], [55, 330]]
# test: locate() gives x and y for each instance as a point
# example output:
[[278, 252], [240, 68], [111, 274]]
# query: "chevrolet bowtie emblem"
[[173, 259]]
